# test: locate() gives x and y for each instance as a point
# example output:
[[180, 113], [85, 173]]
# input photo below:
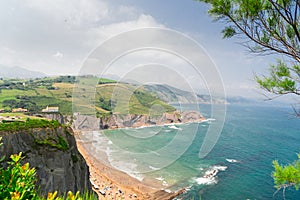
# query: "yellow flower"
[[51, 195], [71, 196], [15, 195]]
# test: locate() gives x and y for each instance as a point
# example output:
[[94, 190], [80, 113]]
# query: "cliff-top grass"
[[28, 124]]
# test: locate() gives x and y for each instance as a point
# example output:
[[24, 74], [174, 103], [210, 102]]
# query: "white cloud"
[[58, 55], [99, 34], [36, 29], [77, 13]]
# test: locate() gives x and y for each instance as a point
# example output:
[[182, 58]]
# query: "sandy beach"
[[110, 183]]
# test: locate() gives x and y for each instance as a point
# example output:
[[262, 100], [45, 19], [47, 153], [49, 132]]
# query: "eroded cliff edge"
[[85, 122], [53, 152]]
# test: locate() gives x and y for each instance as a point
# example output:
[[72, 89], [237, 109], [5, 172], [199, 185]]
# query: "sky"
[[58, 36]]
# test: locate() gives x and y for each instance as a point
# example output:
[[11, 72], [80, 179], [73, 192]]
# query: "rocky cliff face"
[[54, 154], [133, 120]]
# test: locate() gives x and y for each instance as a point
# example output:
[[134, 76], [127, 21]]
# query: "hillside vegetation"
[[109, 97]]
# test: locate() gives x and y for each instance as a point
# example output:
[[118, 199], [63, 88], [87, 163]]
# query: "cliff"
[[54, 154], [133, 120]]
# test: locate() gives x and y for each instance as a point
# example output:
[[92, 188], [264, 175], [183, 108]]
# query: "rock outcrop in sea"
[[54, 154]]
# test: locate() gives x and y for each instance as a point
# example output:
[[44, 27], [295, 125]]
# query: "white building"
[[50, 109]]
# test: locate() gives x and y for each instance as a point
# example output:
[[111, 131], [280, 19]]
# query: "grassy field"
[[90, 95], [22, 116]]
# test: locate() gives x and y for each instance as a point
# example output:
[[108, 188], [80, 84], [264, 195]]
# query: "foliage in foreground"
[[17, 182], [288, 175], [271, 27]]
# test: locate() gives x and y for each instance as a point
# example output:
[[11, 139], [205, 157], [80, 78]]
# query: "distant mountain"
[[174, 95], [19, 72]]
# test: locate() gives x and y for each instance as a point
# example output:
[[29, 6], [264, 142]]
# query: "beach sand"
[[117, 184]]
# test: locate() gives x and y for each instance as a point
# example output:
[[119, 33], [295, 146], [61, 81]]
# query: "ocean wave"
[[206, 181], [175, 127], [232, 160], [211, 119], [160, 178], [220, 167], [141, 127], [208, 120], [109, 151], [128, 168], [210, 175], [109, 142], [168, 191], [164, 183], [154, 168]]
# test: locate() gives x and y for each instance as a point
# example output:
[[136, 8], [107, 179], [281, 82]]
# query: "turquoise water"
[[253, 136]]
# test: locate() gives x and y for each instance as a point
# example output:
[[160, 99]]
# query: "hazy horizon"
[[56, 39]]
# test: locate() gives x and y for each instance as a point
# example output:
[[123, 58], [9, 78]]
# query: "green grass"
[[22, 116], [106, 81], [60, 143], [89, 96], [28, 124]]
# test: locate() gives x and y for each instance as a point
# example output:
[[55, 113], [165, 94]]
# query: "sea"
[[238, 167]]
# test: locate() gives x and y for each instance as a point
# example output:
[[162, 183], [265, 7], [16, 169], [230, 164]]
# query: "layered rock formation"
[[54, 154], [83, 122]]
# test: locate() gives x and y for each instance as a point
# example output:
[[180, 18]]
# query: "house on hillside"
[[15, 110], [51, 110], [2, 110]]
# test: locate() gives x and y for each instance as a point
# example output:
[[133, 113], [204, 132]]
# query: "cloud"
[[33, 30], [58, 55], [77, 13]]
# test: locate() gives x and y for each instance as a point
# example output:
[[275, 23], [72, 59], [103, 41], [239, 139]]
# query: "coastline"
[[117, 184]]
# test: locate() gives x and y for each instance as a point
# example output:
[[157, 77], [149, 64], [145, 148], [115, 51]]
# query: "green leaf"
[[228, 32], [290, 32], [16, 157]]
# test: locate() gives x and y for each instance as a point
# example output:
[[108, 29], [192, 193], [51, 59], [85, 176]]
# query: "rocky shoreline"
[[110, 183], [116, 121]]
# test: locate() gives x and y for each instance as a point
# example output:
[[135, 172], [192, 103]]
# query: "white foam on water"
[[160, 178], [109, 142], [164, 183], [232, 160], [153, 168], [174, 127], [128, 168], [155, 153], [206, 181], [210, 176], [219, 167], [211, 119], [208, 120]]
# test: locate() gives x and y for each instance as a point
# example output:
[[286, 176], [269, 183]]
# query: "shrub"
[[17, 181]]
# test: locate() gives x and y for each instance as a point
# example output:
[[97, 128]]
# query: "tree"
[[269, 27]]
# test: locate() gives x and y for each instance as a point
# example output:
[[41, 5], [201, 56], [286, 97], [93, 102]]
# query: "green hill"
[[106, 97]]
